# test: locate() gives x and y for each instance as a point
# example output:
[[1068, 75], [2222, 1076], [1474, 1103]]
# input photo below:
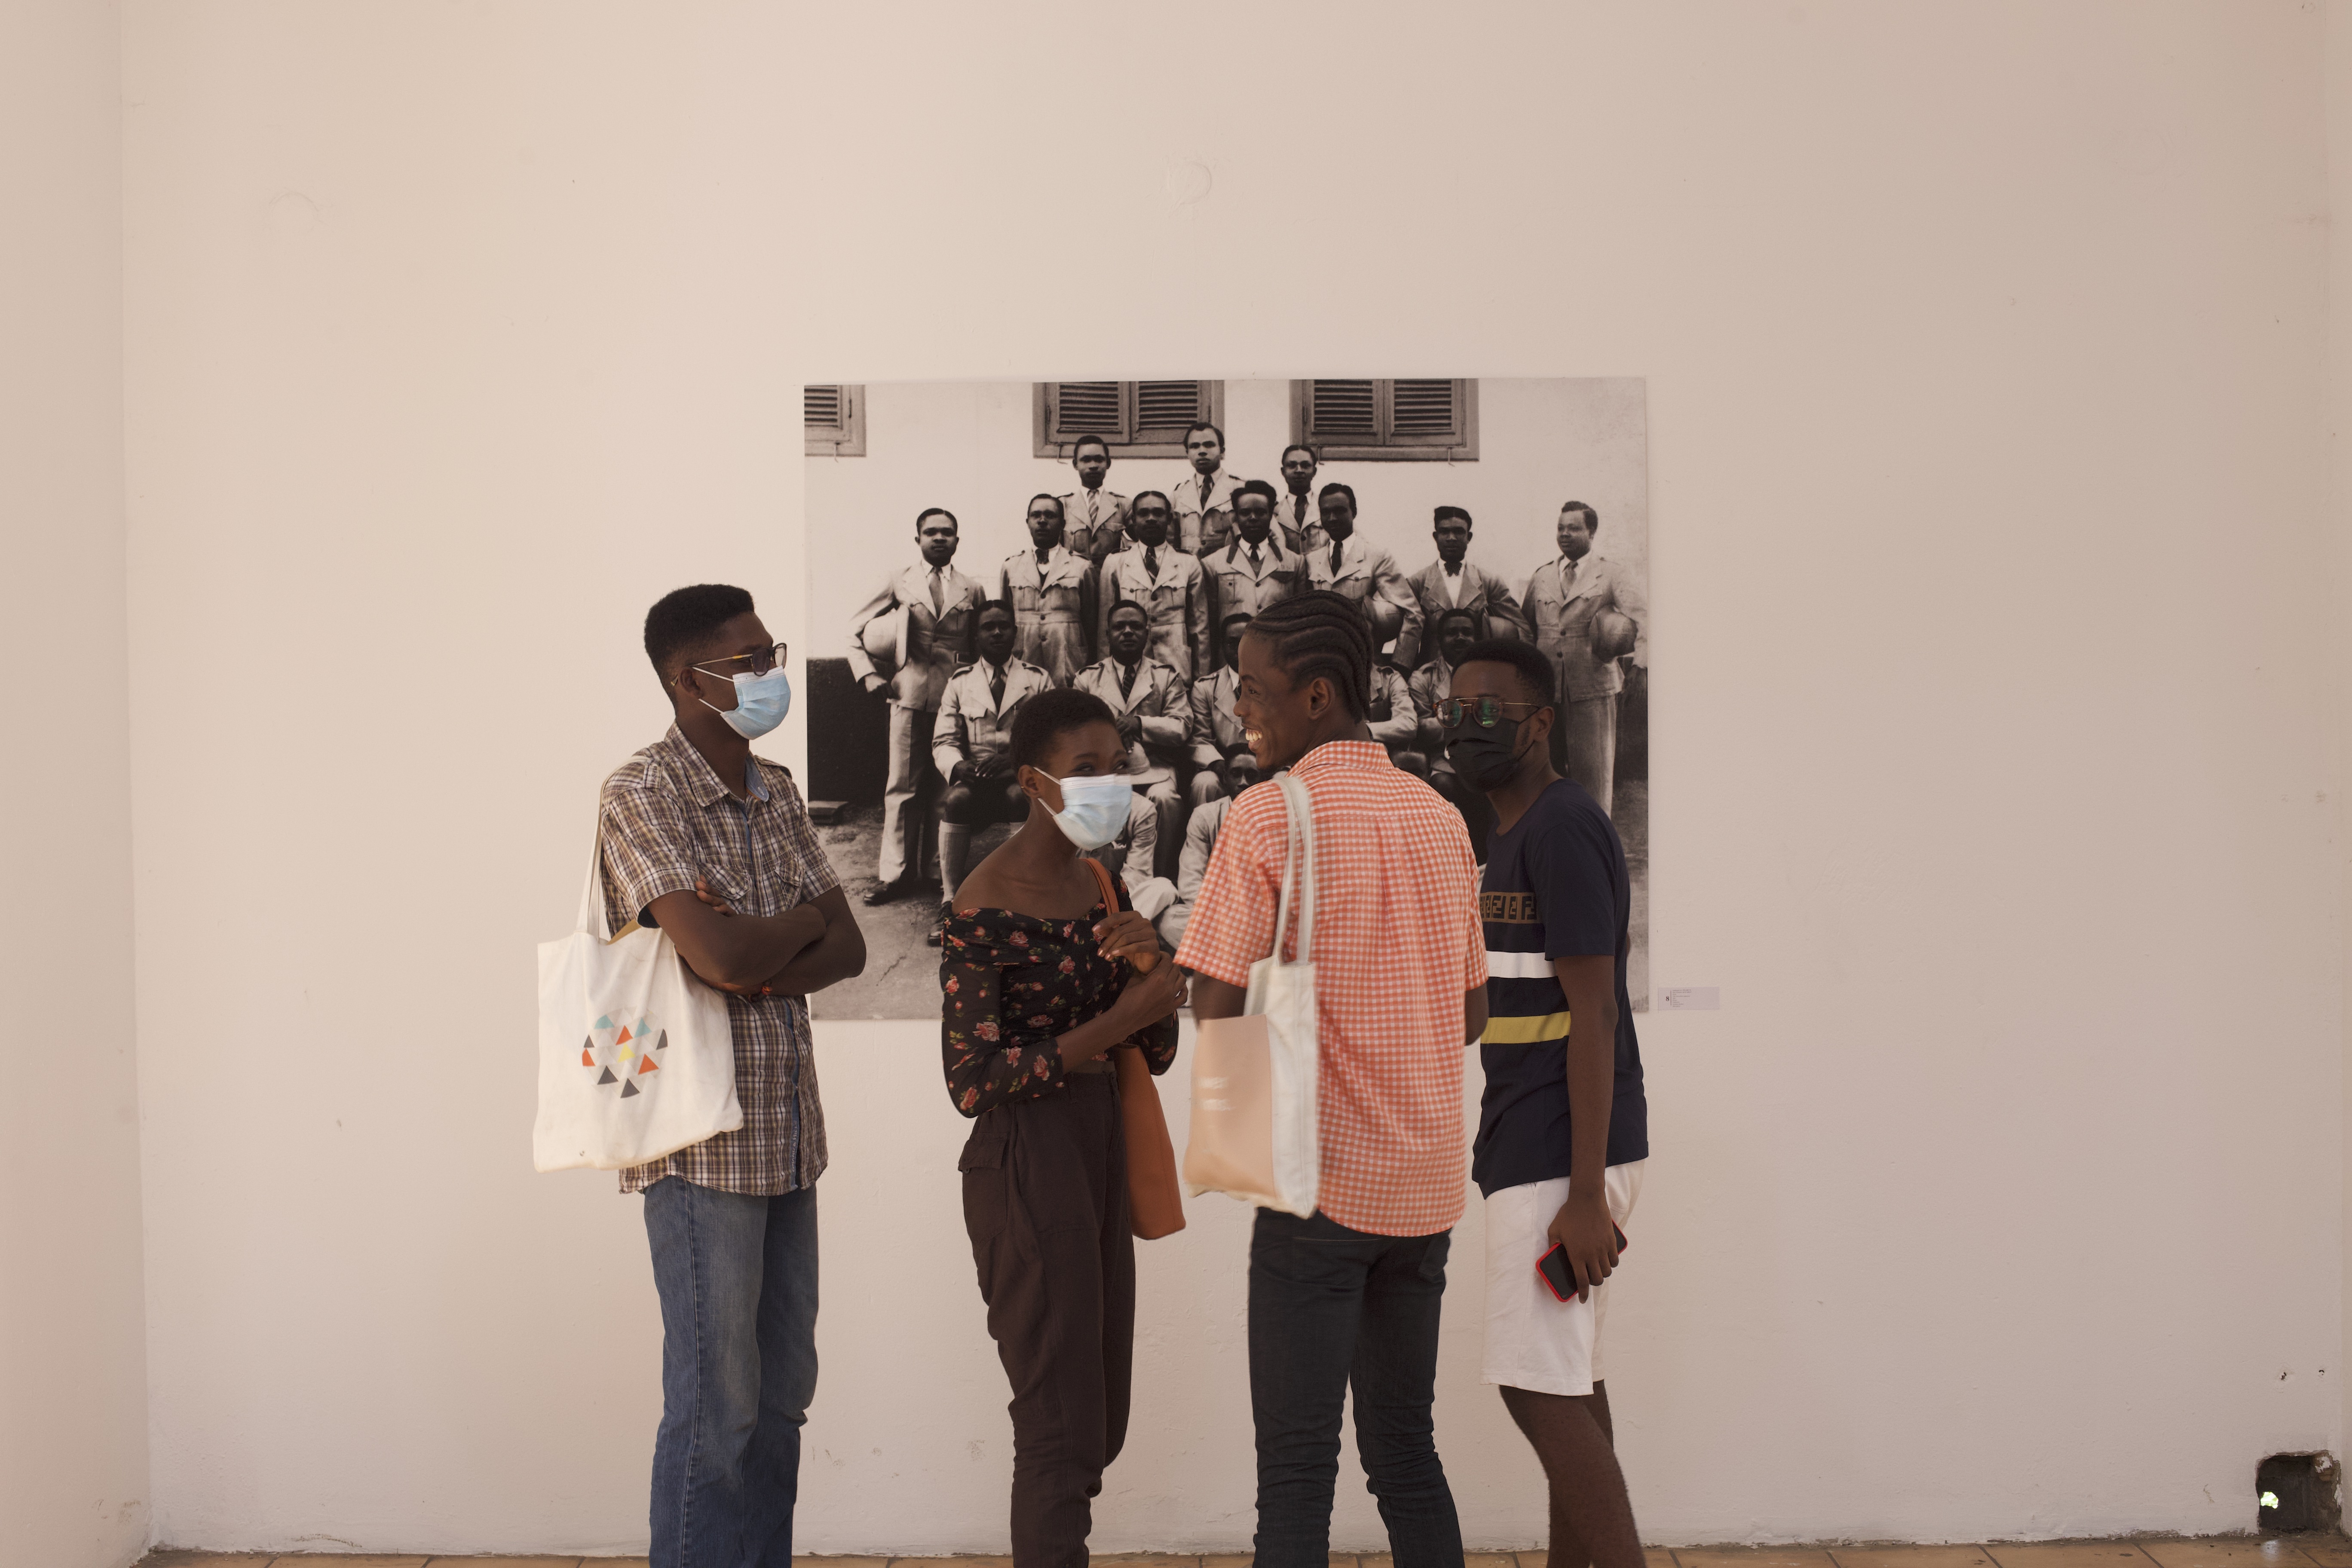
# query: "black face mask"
[[1486, 758]]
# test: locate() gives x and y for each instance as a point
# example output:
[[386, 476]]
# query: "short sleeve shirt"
[[667, 820], [1556, 887], [1397, 943]]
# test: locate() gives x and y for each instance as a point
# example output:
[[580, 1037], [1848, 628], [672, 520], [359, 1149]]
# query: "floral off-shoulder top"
[[1010, 985]]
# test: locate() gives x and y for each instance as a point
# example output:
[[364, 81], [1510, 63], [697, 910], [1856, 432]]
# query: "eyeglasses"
[[759, 663], [1487, 711]]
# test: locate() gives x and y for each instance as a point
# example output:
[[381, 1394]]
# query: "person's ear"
[[1034, 783]]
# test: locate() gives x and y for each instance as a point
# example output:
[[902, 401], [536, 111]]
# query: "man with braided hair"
[[1349, 1298]]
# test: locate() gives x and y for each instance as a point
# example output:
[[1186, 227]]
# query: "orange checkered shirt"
[[1397, 943]]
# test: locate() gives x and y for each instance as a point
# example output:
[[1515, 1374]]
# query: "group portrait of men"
[[1143, 599]]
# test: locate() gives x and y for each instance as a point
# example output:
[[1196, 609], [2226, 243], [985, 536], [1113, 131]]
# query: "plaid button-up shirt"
[[666, 819], [1398, 943]]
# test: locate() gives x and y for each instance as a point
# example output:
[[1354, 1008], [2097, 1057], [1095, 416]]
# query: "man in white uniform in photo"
[[938, 606]]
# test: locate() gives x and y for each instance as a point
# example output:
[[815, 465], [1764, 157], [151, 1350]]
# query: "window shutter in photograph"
[[1388, 421], [836, 418], [1423, 410], [1163, 409], [1341, 411], [1088, 409], [1138, 418]]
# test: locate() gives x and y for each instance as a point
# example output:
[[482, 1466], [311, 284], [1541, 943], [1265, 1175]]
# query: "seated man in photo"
[[1388, 711], [1153, 708], [1128, 856], [1432, 684], [1222, 763], [1191, 864], [972, 745]]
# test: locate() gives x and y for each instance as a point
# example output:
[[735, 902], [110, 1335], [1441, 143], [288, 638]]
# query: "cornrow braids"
[[1322, 633]]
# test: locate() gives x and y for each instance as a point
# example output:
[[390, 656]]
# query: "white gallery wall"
[[73, 1410], [1993, 664]]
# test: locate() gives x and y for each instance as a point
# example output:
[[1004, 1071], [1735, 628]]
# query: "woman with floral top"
[[1038, 990]]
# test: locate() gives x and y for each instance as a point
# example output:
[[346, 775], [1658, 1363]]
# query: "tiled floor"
[[2218, 1552]]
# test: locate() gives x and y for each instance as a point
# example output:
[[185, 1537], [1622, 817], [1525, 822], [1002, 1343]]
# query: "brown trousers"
[[1044, 1199]]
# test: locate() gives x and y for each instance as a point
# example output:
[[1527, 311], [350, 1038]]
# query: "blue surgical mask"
[[761, 703], [1093, 809]]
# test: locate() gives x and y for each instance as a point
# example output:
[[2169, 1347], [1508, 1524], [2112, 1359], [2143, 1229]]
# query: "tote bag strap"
[[1297, 869], [592, 901]]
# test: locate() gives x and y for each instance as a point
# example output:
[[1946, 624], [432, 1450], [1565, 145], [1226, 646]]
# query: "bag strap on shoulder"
[[1297, 869], [592, 897], [1102, 880]]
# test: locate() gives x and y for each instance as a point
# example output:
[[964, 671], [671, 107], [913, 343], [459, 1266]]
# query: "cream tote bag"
[[1254, 1134], [635, 1059]]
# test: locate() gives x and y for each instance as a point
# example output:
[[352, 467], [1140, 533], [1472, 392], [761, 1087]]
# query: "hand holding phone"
[[1558, 1277]]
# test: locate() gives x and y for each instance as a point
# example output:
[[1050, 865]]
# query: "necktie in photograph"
[[939, 596], [1127, 679], [1254, 560], [1152, 562], [1335, 558], [1299, 511], [996, 686]]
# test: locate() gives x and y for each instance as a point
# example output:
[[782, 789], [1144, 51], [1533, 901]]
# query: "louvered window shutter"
[[836, 418], [1359, 420], [1088, 409], [1343, 413], [1138, 418], [1424, 411], [1164, 409]]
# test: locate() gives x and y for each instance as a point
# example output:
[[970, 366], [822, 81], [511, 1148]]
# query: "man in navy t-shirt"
[[1563, 1129]]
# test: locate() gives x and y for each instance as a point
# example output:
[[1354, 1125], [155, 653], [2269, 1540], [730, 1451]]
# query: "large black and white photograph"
[[972, 543]]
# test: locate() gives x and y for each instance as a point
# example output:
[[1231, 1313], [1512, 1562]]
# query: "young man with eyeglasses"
[[1563, 1125], [711, 843]]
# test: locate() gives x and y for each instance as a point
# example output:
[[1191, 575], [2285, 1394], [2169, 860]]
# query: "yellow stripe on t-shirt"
[[1525, 1030]]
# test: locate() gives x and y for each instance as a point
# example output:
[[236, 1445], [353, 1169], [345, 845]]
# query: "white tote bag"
[[636, 1058], [1255, 1134]]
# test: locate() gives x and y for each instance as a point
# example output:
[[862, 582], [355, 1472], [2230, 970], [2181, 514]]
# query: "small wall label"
[[1690, 998]]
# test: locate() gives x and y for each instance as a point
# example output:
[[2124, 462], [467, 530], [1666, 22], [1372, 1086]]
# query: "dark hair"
[[1230, 616], [1058, 507], [1082, 440], [1478, 621], [1445, 512], [1138, 501], [935, 511], [1204, 424], [1004, 604], [1591, 517], [1343, 489], [1536, 676], [1322, 633], [1255, 487], [685, 616], [1051, 714], [1138, 605], [1312, 456]]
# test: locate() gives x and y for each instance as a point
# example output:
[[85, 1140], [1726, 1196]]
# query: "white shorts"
[[1534, 1341]]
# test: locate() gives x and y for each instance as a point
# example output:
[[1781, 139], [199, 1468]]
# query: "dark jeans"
[[1044, 1197], [737, 1277], [1331, 1309]]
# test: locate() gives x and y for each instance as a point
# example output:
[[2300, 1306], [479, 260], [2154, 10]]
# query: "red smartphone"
[[1558, 1277]]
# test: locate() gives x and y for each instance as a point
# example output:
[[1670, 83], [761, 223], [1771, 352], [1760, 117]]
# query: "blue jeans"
[[1328, 1307], [738, 1281]]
